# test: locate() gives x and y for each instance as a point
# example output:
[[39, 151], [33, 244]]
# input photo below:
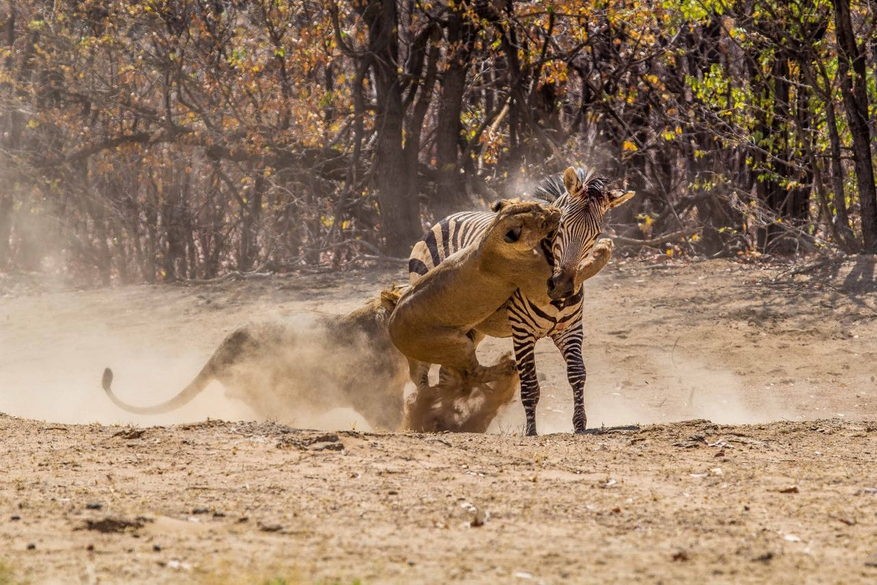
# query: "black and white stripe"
[[580, 224], [446, 237]]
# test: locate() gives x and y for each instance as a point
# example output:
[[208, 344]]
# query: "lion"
[[434, 317], [280, 368]]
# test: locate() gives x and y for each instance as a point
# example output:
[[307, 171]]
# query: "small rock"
[[270, 527], [871, 561], [792, 538], [114, 525], [90, 548], [93, 506], [175, 564], [156, 548], [680, 556], [31, 546], [327, 447], [15, 518], [764, 558], [219, 515], [200, 511], [480, 518], [793, 489]]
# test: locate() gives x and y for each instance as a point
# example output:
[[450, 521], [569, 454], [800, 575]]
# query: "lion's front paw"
[[603, 247], [506, 364]]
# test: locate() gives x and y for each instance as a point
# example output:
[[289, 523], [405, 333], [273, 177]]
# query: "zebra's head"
[[587, 199]]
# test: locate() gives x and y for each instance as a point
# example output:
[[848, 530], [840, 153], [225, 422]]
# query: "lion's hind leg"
[[442, 407], [484, 404], [499, 371]]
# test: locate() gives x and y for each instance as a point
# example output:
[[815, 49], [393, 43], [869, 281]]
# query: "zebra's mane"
[[552, 189]]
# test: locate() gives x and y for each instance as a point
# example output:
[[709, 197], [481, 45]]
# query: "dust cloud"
[[55, 344], [51, 361], [649, 387], [306, 379]]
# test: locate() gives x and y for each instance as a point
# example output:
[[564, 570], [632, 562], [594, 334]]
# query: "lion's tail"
[[189, 392]]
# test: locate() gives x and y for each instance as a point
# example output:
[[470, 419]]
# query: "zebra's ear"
[[616, 197], [572, 182]]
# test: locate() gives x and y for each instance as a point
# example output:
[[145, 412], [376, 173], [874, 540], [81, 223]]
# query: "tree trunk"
[[6, 204], [9, 141], [852, 72], [400, 212], [449, 192]]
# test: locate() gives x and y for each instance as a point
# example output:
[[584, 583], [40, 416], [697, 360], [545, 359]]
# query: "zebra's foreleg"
[[525, 355], [569, 342]]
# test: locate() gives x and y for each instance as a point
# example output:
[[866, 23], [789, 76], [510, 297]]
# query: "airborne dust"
[[671, 350]]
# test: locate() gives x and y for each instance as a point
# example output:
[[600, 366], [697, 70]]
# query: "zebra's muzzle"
[[561, 286]]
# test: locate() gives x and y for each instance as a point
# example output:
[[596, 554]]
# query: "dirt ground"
[[781, 486]]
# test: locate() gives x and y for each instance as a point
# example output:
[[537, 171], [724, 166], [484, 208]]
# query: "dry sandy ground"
[[784, 493]]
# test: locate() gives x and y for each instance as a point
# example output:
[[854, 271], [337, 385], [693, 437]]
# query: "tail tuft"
[[107, 381]]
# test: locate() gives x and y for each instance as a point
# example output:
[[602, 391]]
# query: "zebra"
[[584, 199]]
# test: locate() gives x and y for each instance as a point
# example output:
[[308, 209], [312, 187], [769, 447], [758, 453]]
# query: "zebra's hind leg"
[[569, 342], [525, 344]]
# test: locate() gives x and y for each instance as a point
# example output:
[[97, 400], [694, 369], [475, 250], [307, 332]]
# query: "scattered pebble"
[[681, 556], [764, 557], [793, 489], [93, 506], [481, 516], [200, 511], [156, 548], [110, 524], [31, 546], [15, 518]]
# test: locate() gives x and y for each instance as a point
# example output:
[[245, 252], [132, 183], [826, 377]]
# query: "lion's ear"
[[498, 206]]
